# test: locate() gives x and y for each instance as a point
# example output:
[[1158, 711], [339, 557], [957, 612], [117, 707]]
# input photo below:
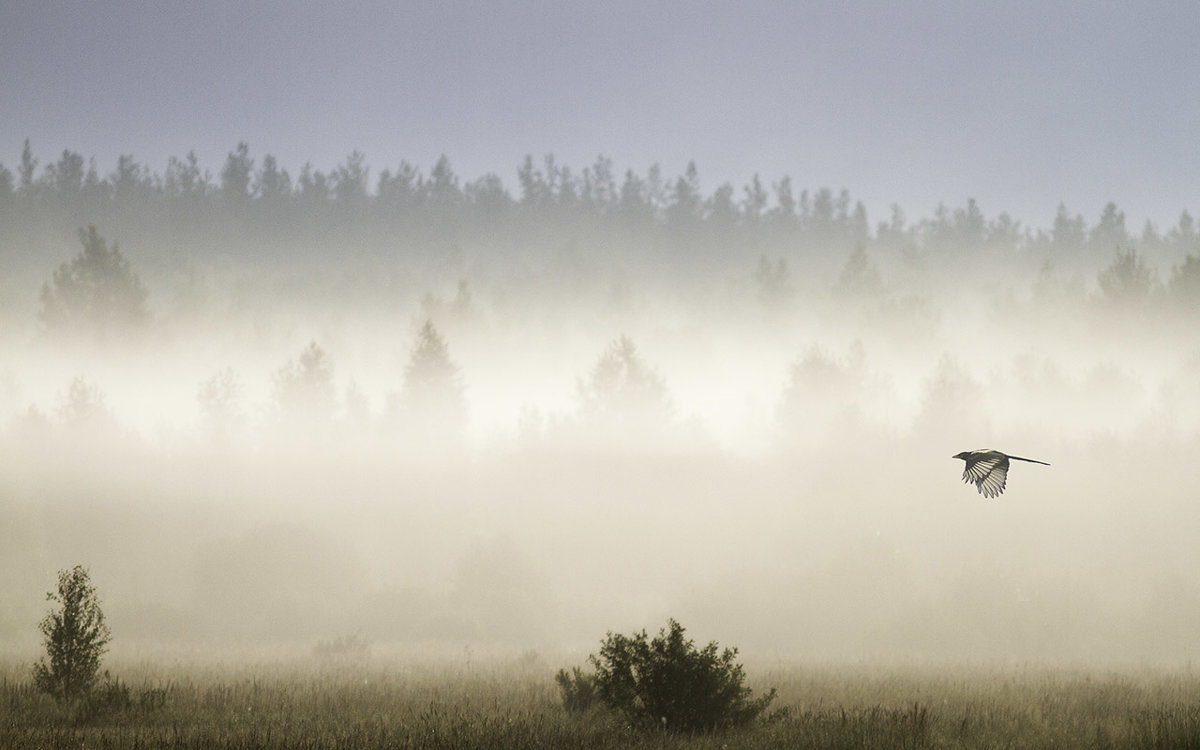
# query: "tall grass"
[[507, 705]]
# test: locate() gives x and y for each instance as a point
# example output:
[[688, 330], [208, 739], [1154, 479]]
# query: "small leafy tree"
[[75, 636], [666, 682]]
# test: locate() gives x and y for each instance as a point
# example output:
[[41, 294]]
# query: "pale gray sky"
[[1019, 105]]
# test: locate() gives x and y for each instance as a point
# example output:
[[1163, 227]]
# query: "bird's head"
[[964, 455]]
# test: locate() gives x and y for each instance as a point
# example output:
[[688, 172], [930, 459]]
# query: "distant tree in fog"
[[955, 231], [598, 186], [1183, 235], [96, 292], [67, 176], [754, 205], [821, 390], [313, 187], [350, 184], [304, 388], [219, 398], [774, 281], [685, 204], [27, 170], [7, 187], [951, 402], [1069, 232], [859, 278], [632, 205], [458, 309], [1184, 286], [83, 407], [272, 184], [623, 389], [431, 396], [443, 191], [184, 180], [1128, 281], [721, 212], [1109, 234], [236, 176], [397, 192], [536, 192], [489, 198], [784, 213], [132, 184]]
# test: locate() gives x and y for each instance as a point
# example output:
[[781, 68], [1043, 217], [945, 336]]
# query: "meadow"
[[295, 701]]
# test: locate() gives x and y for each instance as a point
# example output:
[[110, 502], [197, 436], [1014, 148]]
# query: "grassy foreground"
[[516, 705]]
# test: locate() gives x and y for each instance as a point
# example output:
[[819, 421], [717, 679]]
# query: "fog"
[[522, 423]]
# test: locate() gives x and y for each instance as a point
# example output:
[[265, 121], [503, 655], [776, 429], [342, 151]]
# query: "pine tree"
[[431, 398], [98, 291]]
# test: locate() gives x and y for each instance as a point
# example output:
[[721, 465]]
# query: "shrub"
[[75, 638], [578, 690], [666, 682]]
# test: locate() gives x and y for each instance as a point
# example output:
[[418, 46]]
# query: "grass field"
[[515, 704]]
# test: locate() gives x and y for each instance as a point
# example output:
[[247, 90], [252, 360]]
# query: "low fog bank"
[[478, 458]]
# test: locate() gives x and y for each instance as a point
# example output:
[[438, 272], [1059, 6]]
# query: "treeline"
[[252, 196]]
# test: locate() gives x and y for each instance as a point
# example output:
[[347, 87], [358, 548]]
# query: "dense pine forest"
[[404, 209]]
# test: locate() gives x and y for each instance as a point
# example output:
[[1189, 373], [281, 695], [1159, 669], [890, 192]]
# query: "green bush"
[[667, 683]]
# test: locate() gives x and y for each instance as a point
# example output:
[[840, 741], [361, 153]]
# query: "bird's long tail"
[[1030, 460]]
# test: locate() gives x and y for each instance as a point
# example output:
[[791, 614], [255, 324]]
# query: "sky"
[[1020, 105]]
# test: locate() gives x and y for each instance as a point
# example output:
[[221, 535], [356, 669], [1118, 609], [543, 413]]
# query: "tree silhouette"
[[219, 398], [75, 637], [775, 288], [431, 397], [623, 391], [859, 278], [1129, 280], [83, 409], [26, 170], [304, 394], [236, 176], [1109, 233], [1185, 281], [97, 291]]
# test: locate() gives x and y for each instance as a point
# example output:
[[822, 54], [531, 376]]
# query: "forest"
[[270, 408]]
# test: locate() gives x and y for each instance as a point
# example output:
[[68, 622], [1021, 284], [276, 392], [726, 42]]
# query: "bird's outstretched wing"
[[989, 473]]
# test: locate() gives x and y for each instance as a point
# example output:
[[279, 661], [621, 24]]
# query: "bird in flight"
[[988, 470]]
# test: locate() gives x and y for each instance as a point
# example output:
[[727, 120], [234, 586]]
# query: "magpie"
[[988, 469]]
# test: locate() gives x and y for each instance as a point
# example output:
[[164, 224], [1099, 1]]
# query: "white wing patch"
[[989, 474]]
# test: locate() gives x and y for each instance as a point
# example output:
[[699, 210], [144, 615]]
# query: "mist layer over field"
[[460, 418]]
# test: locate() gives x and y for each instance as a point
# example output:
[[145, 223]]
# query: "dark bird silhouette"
[[988, 470]]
